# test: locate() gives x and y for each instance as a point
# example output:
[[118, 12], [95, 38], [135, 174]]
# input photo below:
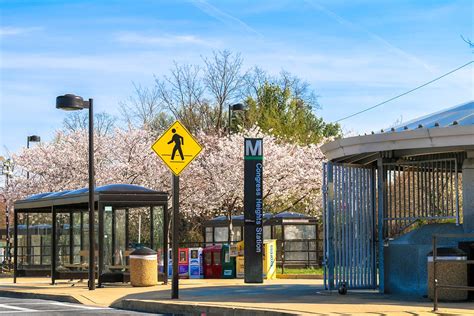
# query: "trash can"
[[143, 267], [448, 273]]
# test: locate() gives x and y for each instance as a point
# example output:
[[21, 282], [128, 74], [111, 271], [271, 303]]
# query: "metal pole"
[[53, 245], [152, 230], [230, 119], [15, 246], [229, 237], [165, 243], [175, 282], [380, 204], [91, 199], [7, 166], [435, 282], [27, 147], [101, 211]]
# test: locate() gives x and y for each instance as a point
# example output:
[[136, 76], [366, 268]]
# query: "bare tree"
[[182, 93], [77, 121], [253, 81], [299, 89], [223, 79], [141, 108]]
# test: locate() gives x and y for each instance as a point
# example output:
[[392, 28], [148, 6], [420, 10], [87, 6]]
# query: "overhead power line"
[[405, 93]]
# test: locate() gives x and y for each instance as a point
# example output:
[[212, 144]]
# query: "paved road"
[[16, 306]]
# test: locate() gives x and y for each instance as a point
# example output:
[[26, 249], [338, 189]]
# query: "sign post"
[[253, 210], [177, 148]]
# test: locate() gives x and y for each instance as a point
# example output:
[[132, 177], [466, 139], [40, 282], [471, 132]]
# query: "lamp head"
[[34, 139], [71, 102], [238, 107]]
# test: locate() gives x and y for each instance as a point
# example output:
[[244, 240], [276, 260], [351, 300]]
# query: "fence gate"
[[349, 226]]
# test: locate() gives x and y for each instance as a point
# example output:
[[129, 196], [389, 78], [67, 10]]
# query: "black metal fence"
[[420, 190]]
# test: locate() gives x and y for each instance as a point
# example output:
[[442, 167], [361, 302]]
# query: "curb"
[[300, 276], [193, 309], [51, 297]]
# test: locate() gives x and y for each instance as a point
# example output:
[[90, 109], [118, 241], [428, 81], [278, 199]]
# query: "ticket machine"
[[195, 263], [183, 263]]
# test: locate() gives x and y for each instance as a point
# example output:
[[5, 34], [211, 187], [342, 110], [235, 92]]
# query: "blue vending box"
[[196, 270], [170, 263]]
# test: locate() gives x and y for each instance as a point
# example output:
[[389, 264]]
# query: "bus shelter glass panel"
[[85, 235], [120, 242], [63, 239], [237, 233], [158, 223], [76, 237], [293, 232], [277, 232], [22, 240], [300, 242], [107, 238], [221, 234], [209, 234], [267, 232], [139, 226], [34, 240]]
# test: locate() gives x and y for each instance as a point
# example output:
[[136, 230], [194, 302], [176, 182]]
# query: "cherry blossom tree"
[[211, 185]]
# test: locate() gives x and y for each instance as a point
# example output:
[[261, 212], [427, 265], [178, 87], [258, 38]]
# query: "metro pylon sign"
[[253, 209]]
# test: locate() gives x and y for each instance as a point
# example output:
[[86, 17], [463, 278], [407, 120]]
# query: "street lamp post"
[[7, 171], [31, 139], [238, 107], [71, 102]]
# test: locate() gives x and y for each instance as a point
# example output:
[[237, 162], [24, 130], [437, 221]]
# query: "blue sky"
[[354, 53]]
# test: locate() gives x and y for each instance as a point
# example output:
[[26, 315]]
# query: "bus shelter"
[[51, 231], [299, 241], [387, 194]]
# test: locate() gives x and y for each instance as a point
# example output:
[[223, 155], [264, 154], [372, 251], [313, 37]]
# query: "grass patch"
[[318, 271]]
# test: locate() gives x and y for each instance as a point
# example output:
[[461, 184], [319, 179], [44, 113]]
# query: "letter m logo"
[[253, 147]]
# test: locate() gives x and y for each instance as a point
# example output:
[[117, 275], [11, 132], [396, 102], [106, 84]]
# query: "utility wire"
[[405, 93]]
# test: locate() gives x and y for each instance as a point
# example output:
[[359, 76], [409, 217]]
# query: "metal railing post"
[[435, 283]]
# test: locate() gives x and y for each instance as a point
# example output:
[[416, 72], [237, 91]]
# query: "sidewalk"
[[233, 297]]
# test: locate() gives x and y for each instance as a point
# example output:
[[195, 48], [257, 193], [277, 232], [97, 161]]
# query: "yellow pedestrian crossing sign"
[[177, 147]]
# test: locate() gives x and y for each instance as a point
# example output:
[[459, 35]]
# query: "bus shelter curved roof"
[[126, 194]]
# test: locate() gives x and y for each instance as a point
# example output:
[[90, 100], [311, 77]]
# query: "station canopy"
[[449, 130]]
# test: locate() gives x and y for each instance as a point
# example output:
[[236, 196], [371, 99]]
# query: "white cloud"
[[164, 40], [356, 27], [11, 31], [224, 17]]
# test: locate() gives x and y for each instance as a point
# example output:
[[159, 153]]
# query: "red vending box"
[[212, 262], [183, 263]]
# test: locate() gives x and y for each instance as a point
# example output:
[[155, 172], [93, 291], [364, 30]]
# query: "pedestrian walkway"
[[12, 306], [284, 297]]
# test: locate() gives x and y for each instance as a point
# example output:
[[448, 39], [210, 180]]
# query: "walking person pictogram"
[[178, 141]]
